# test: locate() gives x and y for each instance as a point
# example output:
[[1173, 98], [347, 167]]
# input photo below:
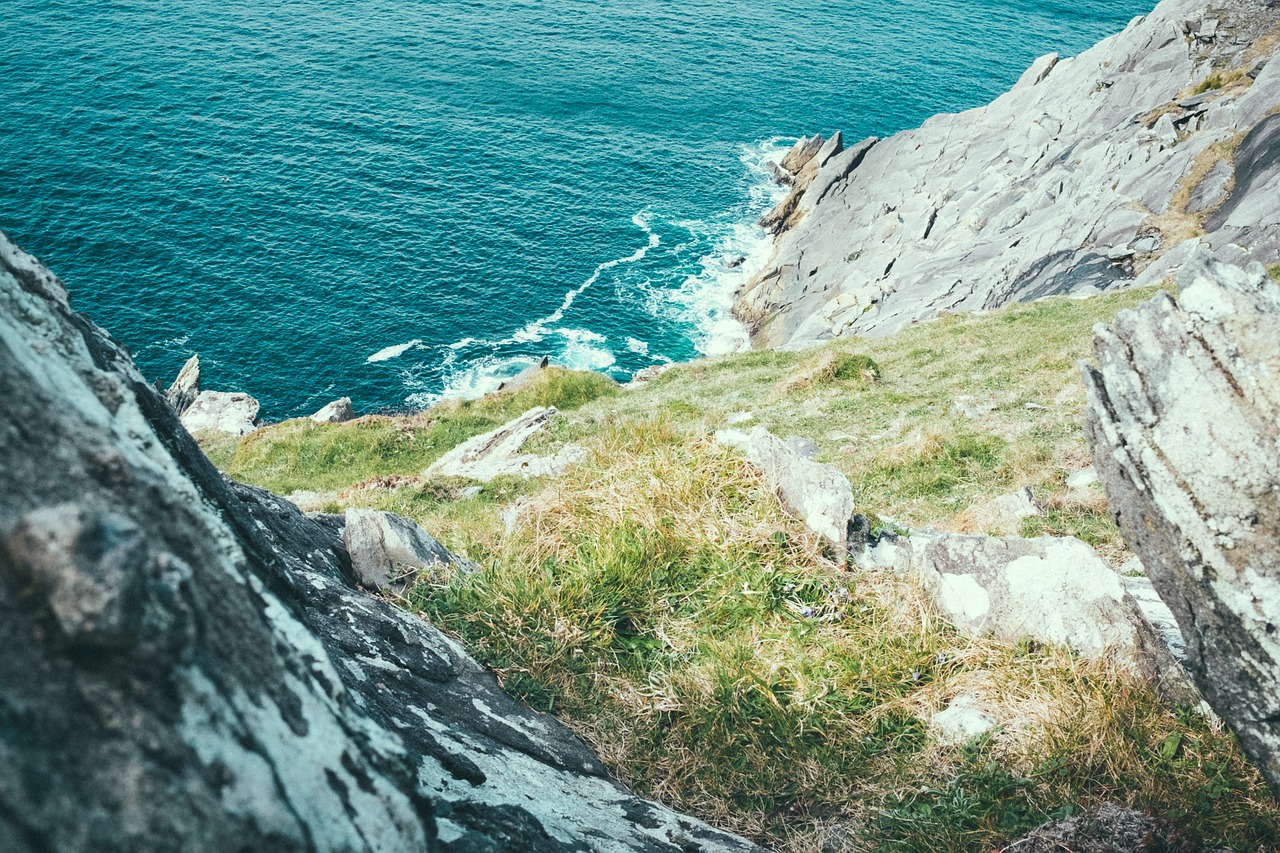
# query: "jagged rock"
[[497, 453], [801, 153], [817, 494], [1184, 419], [188, 666], [232, 412], [186, 387], [387, 551], [1053, 590], [337, 412], [1025, 197]]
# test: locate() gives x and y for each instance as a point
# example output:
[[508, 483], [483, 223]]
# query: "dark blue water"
[[394, 199]]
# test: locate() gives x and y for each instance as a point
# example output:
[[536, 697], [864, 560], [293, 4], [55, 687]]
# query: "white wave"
[[582, 350], [637, 346], [390, 352], [740, 249]]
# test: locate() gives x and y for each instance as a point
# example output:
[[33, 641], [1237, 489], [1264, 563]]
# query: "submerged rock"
[[230, 412], [1184, 420], [188, 665]]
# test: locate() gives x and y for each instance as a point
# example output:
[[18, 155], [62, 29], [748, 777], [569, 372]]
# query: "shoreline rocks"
[[1070, 183]]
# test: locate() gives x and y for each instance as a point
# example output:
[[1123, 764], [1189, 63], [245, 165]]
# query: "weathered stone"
[[1082, 479], [1184, 420], [801, 153], [817, 494], [1053, 590], [527, 375], [337, 412], [497, 453], [387, 551], [1212, 189], [1025, 197], [1109, 828], [188, 666], [232, 412], [186, 386], [1004, 515]]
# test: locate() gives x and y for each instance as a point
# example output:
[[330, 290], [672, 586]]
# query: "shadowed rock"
[[231, 412], [1184, 420], [337, 412], [188, 666], [186, 387], [499, 452]]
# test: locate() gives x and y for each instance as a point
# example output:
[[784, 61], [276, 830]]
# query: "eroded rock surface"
[[186, 386], [230, 412], [188, 666], [338, 412], [500, 452], [1069, 183], [1184, 420], [817, 494]]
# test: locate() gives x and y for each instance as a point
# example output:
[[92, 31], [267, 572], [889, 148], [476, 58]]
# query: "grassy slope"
[[660, 601]]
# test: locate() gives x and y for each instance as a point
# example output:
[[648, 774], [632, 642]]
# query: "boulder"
[[388, 551], [186, 387], [1055, 590], [962, 720], [1082, 479], [188, 666], [801, 153], [1184, 419], [1003, 515], [498, 453], [231, 412], [337, 412], [817, 494]]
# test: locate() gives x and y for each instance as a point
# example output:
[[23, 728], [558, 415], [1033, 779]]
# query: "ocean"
[[399, 200]]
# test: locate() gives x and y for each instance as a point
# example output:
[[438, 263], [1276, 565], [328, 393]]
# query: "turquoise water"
[[398, 199]]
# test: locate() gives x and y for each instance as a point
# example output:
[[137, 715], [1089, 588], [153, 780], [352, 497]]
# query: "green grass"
[[665, 607]]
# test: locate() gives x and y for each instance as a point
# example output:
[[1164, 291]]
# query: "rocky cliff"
[[188, 665], [1091, 174], [1184, 419]]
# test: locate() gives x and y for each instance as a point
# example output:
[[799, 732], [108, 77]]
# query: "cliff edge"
[[1092, 174]]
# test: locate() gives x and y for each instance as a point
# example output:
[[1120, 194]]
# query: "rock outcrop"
[[1088, 176], [500, 453], [1184, 420], [817, 494], [388, 551], [186, 386], [188, 665], [230, 412], [338, 412]]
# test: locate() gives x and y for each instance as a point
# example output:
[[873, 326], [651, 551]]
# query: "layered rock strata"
[[1091, 174], [188, 665], [1184, 420]]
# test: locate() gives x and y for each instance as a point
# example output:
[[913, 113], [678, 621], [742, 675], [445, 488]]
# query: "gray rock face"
[[498, 453], [817, 494], [188, 666], [231, 412], [387, 551], [338, 412], [1047, 190], [1054, 590], [186, 387], [1184, 420]]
